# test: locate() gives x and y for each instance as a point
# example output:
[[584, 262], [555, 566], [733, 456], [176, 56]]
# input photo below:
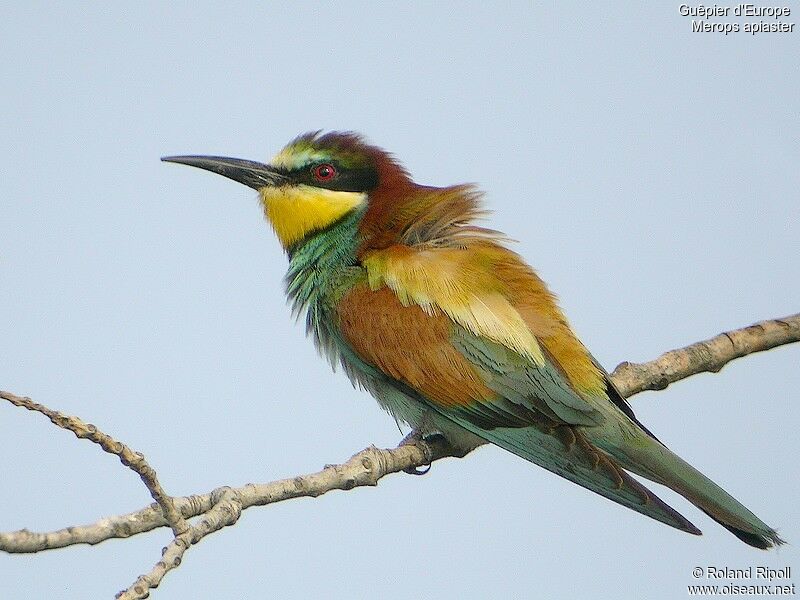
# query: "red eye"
[[324, 172]]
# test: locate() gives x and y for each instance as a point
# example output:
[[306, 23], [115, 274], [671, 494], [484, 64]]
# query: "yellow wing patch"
[[457, 282], [295, 211]]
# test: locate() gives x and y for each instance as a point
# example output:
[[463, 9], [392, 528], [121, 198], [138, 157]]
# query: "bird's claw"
[[417, 470]]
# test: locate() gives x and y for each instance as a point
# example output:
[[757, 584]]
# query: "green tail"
[[566, 452], [651, 459]]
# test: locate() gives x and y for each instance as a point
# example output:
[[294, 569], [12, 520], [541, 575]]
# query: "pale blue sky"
[[648, 172]]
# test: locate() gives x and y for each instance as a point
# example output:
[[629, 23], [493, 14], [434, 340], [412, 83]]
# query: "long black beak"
[[253, 174]]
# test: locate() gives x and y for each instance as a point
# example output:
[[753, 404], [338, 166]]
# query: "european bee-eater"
[[451, 331]]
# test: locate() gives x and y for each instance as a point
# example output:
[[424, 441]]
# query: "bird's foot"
[[417, 437]]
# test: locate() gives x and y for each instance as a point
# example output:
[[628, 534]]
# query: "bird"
[[451, 331]]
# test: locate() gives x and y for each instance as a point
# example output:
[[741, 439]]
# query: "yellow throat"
[[295, 211]]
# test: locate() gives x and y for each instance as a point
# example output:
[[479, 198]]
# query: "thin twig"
[[133, 460]]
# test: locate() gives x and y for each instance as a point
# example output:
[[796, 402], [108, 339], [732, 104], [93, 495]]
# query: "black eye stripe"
[[363, 179]]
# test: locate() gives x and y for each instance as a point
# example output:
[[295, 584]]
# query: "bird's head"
[[314, 182]]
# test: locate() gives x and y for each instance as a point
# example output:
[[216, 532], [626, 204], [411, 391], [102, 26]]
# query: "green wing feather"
[[535, 418], [517, 379]]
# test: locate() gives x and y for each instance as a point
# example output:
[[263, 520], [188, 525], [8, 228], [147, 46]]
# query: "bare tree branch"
[[706, 356], [133, 460], [223, 506]]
